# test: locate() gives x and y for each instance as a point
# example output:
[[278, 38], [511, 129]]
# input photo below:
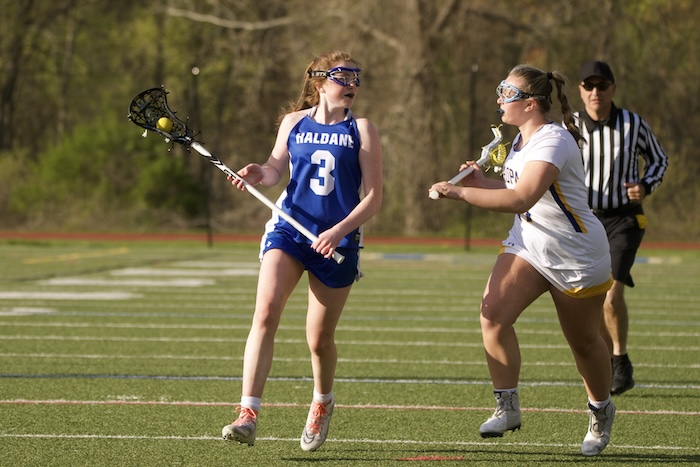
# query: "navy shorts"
[[329, 272], [625, 228]]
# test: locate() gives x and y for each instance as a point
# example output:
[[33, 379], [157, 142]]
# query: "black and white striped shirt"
[[611, 157]]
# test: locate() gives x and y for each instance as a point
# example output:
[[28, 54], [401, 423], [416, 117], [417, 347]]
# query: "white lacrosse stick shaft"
[[253, 191], [485, 157]]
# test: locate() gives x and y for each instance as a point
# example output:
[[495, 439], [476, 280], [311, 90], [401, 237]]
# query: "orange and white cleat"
[[244, 428]]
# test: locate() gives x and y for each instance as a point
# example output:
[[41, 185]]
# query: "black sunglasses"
[[602, 86]]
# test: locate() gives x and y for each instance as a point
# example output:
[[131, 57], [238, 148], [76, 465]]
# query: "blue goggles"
[[340, 75], [509, 93]]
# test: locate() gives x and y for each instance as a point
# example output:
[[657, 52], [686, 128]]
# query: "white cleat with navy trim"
[[599, 429], [506, 417]]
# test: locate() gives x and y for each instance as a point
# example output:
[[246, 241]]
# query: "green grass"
[[130, 354]]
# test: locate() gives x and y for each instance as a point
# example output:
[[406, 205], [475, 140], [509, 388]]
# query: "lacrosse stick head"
[[494, 153], [497, 157], [150, 106]]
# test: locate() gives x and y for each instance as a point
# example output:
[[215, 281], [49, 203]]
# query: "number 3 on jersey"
[[324, 183]]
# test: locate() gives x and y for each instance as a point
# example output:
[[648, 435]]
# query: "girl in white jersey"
[[556, 245], [332, 156]]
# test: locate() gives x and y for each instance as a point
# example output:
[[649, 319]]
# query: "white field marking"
[[666, 323], [135, 400], [184, 272], [464, 304], [664, 334], [473, 259], [125, 398], [77, 256], [23, 311], [478, 290], [207, 299], [218, 264], [128, 283], [302, 341], [377, 361], [422, 443], [289, 379], [659, 260], [361, 329], [340, 328], [359, 298], [291, 308], [68, 295], [416, 292], [136, 326]]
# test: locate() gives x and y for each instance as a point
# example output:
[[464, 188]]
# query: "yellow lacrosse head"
[[497, 157]]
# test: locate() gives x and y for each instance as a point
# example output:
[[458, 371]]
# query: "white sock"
[[323, 398], [507, 391], [597, 405], [251, 403]]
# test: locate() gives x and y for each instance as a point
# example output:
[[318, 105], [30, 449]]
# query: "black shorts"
[[625, 227]]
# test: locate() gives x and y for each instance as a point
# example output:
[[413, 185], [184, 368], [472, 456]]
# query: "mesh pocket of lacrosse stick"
[[497, 157], [150, 106]]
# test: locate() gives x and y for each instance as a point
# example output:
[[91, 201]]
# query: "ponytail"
[[567, 114], [538, 83]]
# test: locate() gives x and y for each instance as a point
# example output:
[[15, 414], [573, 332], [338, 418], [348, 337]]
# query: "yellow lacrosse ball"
[[164, 124]]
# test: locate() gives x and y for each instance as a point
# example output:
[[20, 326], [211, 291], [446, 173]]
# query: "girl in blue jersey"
[[556, 246], [335, 186]]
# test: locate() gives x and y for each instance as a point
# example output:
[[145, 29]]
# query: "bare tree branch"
[[442, 18], [279, 22], [232, 24], [499, 18]]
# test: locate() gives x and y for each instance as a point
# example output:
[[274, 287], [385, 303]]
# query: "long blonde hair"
[[537, 83], [309, 96]]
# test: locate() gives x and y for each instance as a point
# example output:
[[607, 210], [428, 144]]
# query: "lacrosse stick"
[[492, 155], [150, 110]]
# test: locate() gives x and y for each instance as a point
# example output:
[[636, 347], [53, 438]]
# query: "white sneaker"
[[505, 418], [316, 428], [599, 428], [244, 428]]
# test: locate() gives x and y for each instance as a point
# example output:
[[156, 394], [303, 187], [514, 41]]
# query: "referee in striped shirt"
[[616, 140]]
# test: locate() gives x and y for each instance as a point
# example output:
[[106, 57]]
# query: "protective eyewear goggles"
[[340, 75], [509, 93], [602, 86]]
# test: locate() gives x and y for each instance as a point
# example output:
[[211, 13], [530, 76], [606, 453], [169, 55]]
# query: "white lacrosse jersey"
[[559, 231], [325, 178]]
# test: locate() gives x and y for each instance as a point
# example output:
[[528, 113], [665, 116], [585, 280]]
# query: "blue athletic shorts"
[[329, 272]]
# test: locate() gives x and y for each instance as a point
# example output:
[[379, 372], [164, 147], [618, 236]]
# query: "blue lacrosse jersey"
[[325, 179]]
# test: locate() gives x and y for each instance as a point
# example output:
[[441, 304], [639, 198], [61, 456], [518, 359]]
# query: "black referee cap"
[[597, 68]]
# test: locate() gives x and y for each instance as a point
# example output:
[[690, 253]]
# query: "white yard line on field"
[[25, 311], [122, 401], [377, 361], [68, 295], [77, 256], [184, 272], [341, 328], [128, 283], [422, 443], [365, 343], [218, 264], [287, 379]]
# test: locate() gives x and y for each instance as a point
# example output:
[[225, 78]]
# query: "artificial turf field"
[[130, 353]]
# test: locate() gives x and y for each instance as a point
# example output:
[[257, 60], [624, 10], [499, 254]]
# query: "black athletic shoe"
[[622, 374]]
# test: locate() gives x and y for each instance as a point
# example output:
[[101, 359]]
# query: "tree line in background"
[[70, 160]]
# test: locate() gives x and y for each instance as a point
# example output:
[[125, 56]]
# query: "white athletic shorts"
[[577, 283]]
